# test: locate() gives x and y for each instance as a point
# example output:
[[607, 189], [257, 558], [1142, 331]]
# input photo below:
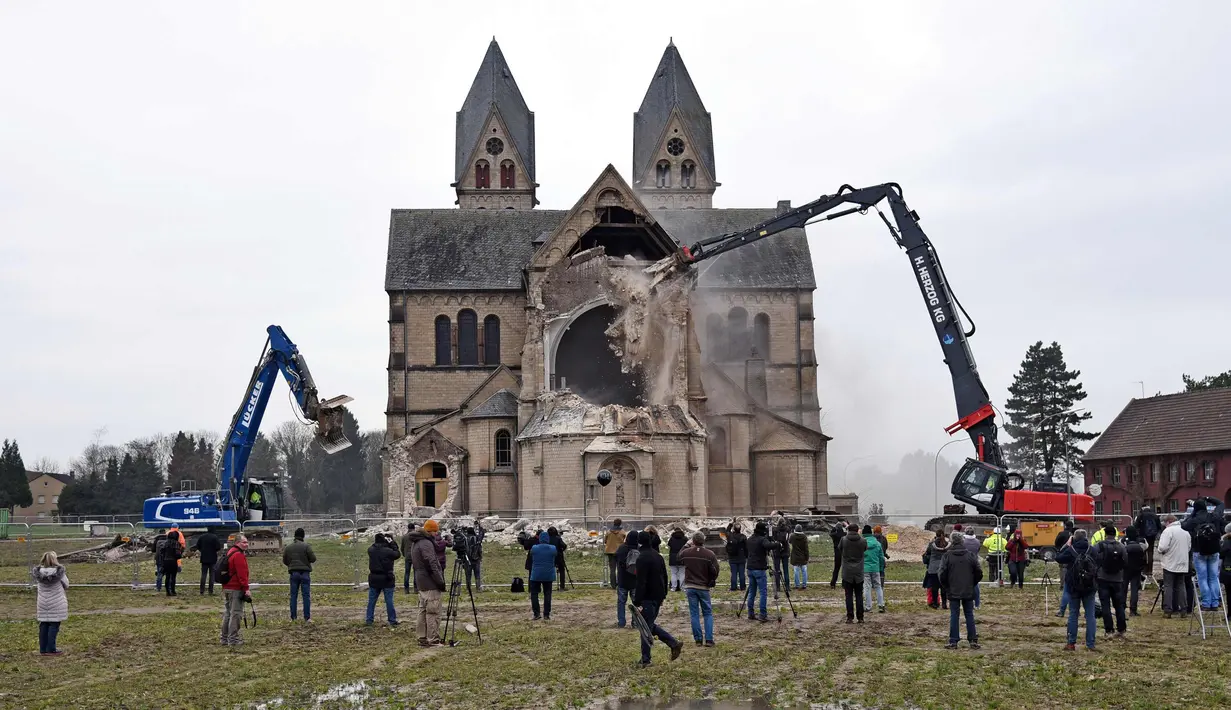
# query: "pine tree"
[[263, 462], [14, 486], [372, 490], [1042, 389], [183, 451], [1208, 382]]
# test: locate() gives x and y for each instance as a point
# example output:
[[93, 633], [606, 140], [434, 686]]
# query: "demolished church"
[[514, 376]]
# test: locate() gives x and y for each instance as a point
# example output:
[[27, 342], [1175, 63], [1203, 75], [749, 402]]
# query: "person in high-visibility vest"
[[175, 533], [1099, 535], [995, 545], [254, 500]]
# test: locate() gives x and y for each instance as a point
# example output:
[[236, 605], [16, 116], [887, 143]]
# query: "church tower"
[[495, 141], [673, 141]]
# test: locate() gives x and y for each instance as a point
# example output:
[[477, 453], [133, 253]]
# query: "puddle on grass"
[[352, 694]]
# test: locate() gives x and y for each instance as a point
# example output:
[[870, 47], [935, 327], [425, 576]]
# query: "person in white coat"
[[52, 608], [1175, 547]]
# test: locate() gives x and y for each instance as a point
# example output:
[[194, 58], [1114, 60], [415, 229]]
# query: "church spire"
[[494, 155], [673, 141]]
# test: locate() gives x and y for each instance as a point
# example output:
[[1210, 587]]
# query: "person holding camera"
[[760, 547], [611, 545], [235, 592], [836, 534], [737, 556], [1112, 559], [381, 578], [1081, 581], [408, 576], [558, 541], [541, 564], [1204, 526], [429, 581]]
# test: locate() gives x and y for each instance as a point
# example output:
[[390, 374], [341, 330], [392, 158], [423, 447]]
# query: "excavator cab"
[[982, 485]]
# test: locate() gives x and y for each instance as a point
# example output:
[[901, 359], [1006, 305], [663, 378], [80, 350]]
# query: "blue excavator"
[[242, 502]]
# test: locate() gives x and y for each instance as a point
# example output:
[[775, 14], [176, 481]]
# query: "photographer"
[[611, 545], [381, 578], [760, 547], [469, 552], [1205, 526], [554, 535], [737, 556], [782, 554]]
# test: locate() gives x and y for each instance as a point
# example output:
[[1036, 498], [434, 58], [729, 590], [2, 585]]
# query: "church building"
[[508, 393]]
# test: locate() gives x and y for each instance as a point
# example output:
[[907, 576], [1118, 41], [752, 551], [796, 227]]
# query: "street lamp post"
[[936, 477], [1068, 469], [847, 466]]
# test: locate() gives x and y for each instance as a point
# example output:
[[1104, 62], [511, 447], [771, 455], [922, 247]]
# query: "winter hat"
[[1130, 532], [1199, 505], [970, 532], [867, 530], [544, 537], [632, 540], [1227, 529], [957, 527], [299, 533], [1109, 529], [877, 530], [799, 528], [431, 526]]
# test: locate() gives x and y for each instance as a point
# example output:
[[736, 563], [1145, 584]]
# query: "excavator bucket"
[[329, 432]]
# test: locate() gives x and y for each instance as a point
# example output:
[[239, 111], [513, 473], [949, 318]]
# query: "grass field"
[[138, 649]]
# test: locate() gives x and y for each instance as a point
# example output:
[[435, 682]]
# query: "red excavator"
[[983, 482]]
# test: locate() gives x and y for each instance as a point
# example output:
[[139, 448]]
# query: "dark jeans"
[[613, 578], [157, 575], [47, 632], [854, 608], [993, 569], [473, 568], [837, 568], [1173, 591], [207, 576], [1111, 594], [1017, 573], [1150, 556], [545, 588], [622, 595], [390, 613], [1079, 603], [967, 608], [739, 579], [169, 573], [302, 581], [409, 577], [649, 612], [560, 570], [1132, 590]]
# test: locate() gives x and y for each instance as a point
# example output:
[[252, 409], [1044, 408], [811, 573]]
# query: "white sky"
[[172, 181]]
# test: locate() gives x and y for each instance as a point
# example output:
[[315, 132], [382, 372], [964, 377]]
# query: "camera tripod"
[[460, 564], [1047, 583]]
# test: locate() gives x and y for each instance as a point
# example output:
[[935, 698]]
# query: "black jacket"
[[207, 546], [675, 543], [1224, 568], [759, 547], [836, 533], [380, 565], [626, 578], [170, 551], [1143, 524], [782, 536], [737, 545], [852, 549], [1193, 523], [1068, 555], [651, 577], [960, 571], [1134, 559], [561, 546], [1062, 538], [1104, 550]]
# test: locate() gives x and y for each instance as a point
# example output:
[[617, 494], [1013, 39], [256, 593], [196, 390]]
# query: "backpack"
[[1207, 539], [518, 586], [1085, 574], [1113, 556], [1150, 527], [630, 562], [222, 568]]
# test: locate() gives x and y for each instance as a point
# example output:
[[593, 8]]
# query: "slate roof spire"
[[671, 89], [494, 88]]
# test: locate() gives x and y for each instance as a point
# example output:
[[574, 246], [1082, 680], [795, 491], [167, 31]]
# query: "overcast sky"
[[174, 180]]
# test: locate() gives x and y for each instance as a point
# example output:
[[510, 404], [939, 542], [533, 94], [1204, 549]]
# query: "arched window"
[[467, 338], [662, 174], [737, 334], [718, 447], [504, 449], [491, 340], [508, 175], [444, 341], [482, 174], [716, 349], [760, 335], [688, 174]]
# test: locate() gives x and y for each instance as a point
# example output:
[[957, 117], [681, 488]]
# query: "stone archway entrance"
[[620, 497], [425, 467]]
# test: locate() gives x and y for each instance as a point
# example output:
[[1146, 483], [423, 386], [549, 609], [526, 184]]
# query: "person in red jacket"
[[235, 592], [1019, 557]]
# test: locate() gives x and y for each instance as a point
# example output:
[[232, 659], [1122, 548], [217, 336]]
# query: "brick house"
[[505, 394], [46, 489], [1161, 451]]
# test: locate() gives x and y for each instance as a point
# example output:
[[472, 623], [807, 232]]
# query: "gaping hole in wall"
[[586, 364], [621, 233]]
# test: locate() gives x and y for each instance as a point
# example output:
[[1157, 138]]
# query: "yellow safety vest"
[[1098, 536], [995, 544], [255, 498]]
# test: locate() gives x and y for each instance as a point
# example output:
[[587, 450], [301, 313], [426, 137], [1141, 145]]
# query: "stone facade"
[[524, 358]]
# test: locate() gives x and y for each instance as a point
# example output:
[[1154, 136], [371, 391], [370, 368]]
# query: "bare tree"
[[46, 464]]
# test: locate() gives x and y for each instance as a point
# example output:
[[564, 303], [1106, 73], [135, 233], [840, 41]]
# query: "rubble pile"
[[649, 329], [911, 540], [114, 550]]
